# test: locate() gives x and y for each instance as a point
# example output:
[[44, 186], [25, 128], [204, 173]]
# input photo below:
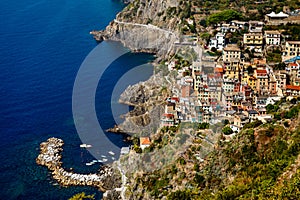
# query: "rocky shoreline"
[[108, 178]]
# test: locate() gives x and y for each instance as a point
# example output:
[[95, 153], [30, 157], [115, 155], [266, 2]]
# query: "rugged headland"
[[143, 26]]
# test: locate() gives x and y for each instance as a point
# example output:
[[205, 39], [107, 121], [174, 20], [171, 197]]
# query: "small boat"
[[90, 163], [104, 160], [103, 156], [85, 146], [100, 160], [111, 153], [113, 158]]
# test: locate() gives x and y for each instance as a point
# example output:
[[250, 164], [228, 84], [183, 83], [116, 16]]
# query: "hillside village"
[[245, 66]]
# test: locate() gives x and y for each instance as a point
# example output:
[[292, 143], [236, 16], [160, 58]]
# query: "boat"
[[88, 164], [104, 160], [85, 145], [103, 156], [111, 153]]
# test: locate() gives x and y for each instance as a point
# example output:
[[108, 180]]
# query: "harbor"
[[50, 156]]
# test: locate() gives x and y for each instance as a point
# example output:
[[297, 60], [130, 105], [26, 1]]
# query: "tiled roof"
[[261, 71], [168, 115], [219, 70], [145, 141], [292, 87]]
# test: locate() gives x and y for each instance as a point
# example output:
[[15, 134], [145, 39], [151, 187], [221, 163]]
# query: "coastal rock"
[[148, 101], [144, 27]]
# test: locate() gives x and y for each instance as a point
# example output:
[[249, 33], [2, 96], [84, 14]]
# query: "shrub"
[[227, 130]]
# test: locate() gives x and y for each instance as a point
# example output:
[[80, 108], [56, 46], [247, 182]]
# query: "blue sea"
[[42, 46]]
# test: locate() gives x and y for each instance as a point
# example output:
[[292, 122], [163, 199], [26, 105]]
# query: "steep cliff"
[[146, 26], [147, 98]]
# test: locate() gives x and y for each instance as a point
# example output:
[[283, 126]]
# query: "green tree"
[[269, 108], [227, 130], [226, 15]]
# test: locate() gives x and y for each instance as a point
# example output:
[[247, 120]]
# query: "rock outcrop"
[[145, 26], [148, 101]]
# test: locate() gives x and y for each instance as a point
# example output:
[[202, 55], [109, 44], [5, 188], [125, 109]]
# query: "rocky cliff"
[[145, 26], [147, 98]]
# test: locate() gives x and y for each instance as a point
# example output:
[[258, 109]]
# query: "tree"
[[269, 108], [227, 130], [203, 125], [293, 101], [226, 121], [205, 36], [226, 15], [203, 22]]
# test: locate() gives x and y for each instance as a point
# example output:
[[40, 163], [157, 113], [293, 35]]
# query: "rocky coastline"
[[142, 27], [149, 36], [108, 178]]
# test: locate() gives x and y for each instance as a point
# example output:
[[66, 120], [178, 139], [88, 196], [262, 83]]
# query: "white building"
[[218, 41], [272, 37]]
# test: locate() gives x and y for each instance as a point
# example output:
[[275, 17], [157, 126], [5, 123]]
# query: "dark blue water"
[[42, 45]]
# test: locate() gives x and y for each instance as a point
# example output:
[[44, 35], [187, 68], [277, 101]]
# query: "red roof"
[[218, 70], [145, 141], [175, 99], [168, 115], [292, 87], [293, 64], [261, 71]]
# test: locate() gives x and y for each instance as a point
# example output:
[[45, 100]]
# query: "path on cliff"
[[148, 26]]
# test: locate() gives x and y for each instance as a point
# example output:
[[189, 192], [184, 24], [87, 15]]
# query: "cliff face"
[[145, 26], [147, 98]]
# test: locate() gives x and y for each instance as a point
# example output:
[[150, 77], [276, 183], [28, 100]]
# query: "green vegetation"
[[82, 196], [290, 29], [203, 125], [253, 124], [280, 66], [227, 130], [274, 56], [258, 163], [224, 16]]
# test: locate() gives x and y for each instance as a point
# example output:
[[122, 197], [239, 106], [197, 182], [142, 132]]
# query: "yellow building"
[[232, 69], [253, 39], [231, 52], [252, 82], [292, 49]]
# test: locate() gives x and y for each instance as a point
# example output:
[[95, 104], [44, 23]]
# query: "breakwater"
[[108, 178]]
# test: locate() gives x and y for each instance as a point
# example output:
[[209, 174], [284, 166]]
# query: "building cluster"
[[233, 87]]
